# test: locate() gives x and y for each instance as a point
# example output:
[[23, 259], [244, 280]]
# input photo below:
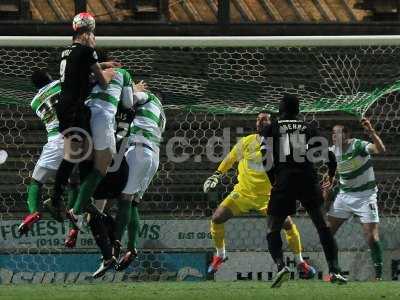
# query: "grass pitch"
[[203, 290]]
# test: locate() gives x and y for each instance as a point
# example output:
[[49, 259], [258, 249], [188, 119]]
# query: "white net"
[[209, 93]]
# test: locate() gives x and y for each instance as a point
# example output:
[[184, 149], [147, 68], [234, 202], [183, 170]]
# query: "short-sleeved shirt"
[[110, 98], [75, 70], [291, 139], [356, 173], [43, 104], [149, 123]]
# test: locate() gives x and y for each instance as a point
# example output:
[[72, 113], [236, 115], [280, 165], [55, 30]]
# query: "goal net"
[[212, 91]]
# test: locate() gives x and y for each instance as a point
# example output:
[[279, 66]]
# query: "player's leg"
[[328, 243], [102, 159], [123, 214], [274, 227], [371, 233], [235, 204], [72, 194], [143, 164], [40, 176], [292, 235], [311, 198], [138, 164], [133, 226], [335, 223], [217, 228], [369, 218], [282, 204], [98, 226], [102, 127], [72, 144], [326, 237], [73, 190], [45, 168], [339, 212]]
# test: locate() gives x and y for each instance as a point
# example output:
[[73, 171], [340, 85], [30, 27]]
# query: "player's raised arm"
[[266, 149], [233, 156], [110, 64], [377, 146], [103, 77]]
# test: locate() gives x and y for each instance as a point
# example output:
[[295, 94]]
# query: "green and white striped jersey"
[[110, 97], [356, 173], [149, 122], [44, 105]]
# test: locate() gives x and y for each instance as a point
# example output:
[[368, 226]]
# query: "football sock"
[[33, 196], [86, 191], [275, 248], [72, 194], [73, 191], [221, 252], [327, 240], [218, 234], [377, 257], [85, 167], [122, 218], [133, 227], [329, 245], [100, 235], [63, 173], [110, 224], [293, 239]]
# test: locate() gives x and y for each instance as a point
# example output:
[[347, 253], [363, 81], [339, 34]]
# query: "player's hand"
[[212, 181], [141, 86], [327, 183], [366, 124], [110, 64], [109, 74]]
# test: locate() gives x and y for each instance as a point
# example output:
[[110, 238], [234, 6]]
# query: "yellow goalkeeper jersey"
[[252, 179]]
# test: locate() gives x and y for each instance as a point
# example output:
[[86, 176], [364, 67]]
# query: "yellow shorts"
[[240, 204]]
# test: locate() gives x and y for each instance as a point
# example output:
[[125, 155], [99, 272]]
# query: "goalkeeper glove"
[[212, 181]]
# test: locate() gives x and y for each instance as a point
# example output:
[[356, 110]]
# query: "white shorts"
[[102, 125], [50, 158], [143, 165], [362, 204]]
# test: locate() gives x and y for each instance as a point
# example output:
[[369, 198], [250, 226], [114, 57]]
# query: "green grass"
[[203, 290]]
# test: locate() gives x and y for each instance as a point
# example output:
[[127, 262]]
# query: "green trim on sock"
[[86, 191], [133, 227], [33, 196], [122, 218]]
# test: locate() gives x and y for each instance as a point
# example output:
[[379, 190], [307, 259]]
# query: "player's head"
[[85, 37], [289, 107], [263, 119], [40, 78], [103, 55], [340, 133]]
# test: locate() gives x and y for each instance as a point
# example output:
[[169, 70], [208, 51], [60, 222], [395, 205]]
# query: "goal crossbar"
[[226, 41]]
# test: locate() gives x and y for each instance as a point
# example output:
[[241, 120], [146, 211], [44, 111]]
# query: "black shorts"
[[291, 186], [73, 116], [113, 184]]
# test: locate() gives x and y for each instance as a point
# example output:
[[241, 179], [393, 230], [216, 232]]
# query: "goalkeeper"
[[252, 192]]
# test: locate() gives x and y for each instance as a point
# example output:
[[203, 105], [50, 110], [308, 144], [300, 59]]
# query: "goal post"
[[213, 88]]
